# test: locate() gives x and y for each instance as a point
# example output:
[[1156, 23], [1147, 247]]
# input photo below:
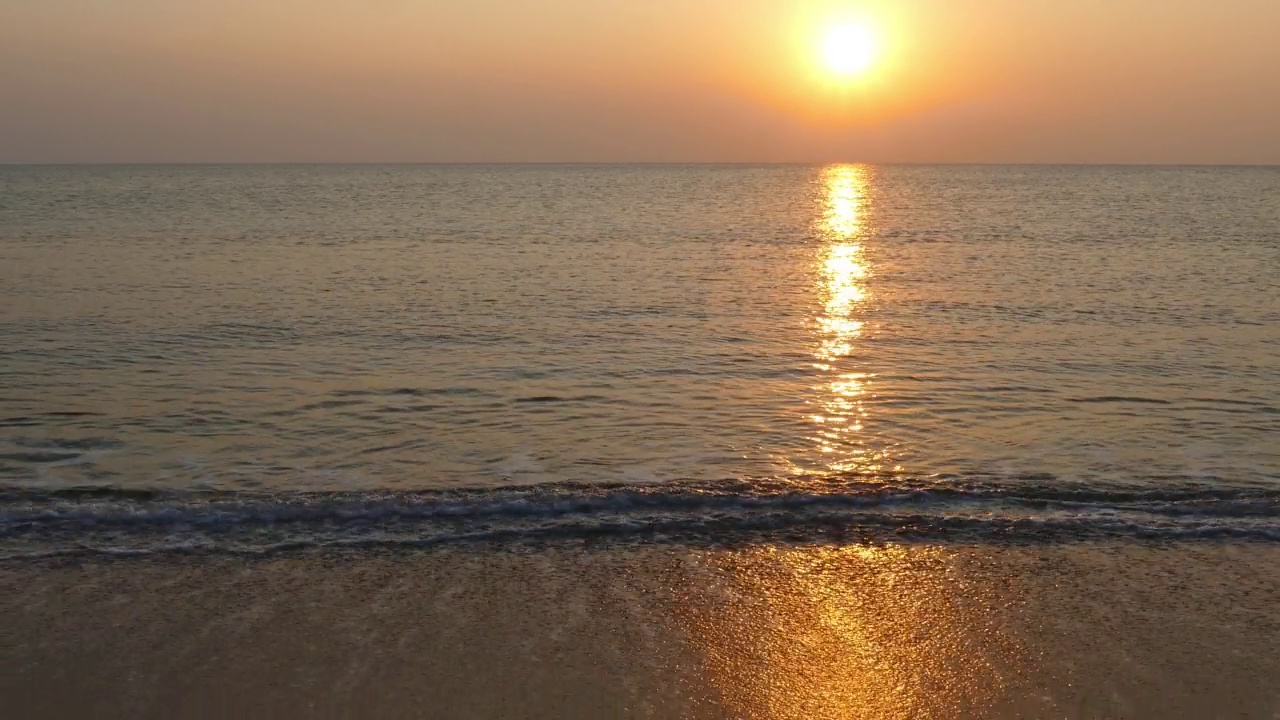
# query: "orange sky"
[[1161, 81]]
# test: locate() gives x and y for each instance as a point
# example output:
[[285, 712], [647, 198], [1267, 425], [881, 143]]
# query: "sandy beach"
[[762, 631]]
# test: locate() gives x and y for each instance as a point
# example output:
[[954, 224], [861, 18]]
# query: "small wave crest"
[[130, 522]]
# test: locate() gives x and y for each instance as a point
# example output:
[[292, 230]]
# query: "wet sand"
[[762, 631]]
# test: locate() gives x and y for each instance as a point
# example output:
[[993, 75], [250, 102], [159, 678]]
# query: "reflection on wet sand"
[[660, 631], [847, 632]]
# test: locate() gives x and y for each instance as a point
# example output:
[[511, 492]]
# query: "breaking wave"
[[108, 521]]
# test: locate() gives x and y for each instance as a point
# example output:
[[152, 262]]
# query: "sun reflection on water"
[[841, 283]]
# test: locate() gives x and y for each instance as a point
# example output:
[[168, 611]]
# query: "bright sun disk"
[[848, 49]]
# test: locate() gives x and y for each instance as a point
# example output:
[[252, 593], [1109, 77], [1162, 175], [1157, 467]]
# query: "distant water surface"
[[430, 328]]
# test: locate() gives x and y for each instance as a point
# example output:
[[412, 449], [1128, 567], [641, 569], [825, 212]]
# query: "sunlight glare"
[[848, 49]]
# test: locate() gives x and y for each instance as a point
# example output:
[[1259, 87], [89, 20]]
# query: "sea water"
[[254, 357]]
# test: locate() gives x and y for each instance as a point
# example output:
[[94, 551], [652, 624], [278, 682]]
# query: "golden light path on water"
[[841, 283], [842, 630]]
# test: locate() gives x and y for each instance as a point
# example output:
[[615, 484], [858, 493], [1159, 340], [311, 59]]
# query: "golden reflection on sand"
[[845, 632], [840, 282]]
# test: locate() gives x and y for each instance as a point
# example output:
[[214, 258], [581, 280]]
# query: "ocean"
[[586, 372]]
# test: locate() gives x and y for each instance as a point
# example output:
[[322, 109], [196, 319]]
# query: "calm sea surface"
[[693, 331]]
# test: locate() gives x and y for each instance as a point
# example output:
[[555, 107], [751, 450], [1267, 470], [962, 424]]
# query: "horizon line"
[[799, 163]]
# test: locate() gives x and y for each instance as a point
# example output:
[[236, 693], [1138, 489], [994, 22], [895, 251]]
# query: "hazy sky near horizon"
[[1158, 81]]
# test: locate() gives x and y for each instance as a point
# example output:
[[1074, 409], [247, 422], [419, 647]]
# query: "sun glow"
[[848, 50]]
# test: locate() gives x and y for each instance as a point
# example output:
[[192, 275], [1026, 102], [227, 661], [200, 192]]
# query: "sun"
[[848, 50]]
